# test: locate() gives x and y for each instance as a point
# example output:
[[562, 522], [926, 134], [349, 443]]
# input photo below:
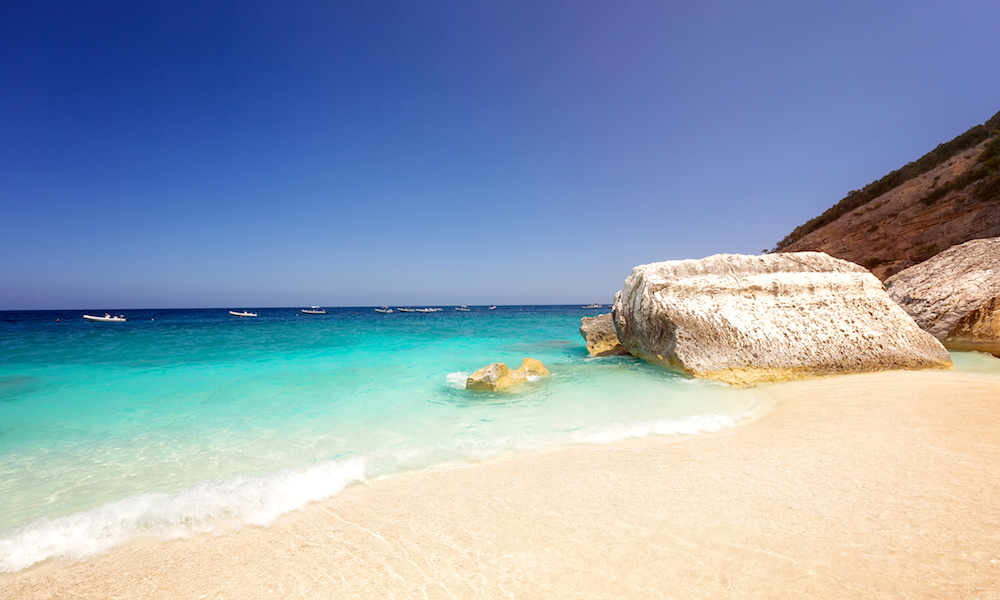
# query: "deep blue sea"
[[178, 422]]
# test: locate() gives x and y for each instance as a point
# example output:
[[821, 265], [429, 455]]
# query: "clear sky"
[[364, 152]]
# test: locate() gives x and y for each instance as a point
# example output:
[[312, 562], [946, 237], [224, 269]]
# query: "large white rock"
[[955, 295], [747, 319]]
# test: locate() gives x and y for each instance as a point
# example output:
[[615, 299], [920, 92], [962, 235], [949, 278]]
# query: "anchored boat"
[[107, 318]]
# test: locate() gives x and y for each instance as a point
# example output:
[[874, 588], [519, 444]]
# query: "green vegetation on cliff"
[[986, 173]]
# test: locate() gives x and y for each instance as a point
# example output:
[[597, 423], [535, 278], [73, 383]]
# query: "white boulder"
[[955, 295], [748, 319]]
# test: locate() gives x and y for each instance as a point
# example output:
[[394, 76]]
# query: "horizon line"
[[297, 307]]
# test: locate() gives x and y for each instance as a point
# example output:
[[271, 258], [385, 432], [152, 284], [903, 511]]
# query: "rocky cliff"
[[947, 197]]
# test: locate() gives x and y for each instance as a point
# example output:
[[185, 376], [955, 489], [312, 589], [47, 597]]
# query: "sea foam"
[[457, 379], [208, 507], [217, 506]]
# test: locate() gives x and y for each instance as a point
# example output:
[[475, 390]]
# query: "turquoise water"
[[187, 421]]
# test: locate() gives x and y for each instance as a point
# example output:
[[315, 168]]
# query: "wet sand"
[[866, 486]]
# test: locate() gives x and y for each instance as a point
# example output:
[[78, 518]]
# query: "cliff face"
[[955, 201]]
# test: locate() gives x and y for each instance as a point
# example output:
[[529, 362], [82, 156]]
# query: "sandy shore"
[[869, 486]]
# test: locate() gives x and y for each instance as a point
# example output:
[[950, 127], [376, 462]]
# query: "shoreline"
[[880, 484]]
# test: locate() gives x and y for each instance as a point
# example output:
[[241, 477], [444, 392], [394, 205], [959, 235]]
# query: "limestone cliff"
[[947, 197]]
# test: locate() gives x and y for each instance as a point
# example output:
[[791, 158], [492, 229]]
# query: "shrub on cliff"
[[932, 159]]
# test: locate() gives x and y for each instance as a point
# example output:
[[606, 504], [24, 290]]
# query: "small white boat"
[[406, 309], [493, 308], [385, 310], [593, 306], [463, 308], [315, 310], [107, 318], [245, 313]]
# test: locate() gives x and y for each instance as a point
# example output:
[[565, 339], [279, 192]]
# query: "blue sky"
[[213, 154]]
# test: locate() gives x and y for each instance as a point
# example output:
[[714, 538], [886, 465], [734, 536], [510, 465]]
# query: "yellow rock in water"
[[534, 367], [599, 333], [497, 376]]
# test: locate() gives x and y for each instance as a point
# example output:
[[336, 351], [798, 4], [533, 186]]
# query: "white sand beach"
[[882, 485]]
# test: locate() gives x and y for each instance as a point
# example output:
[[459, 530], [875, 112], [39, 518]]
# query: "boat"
[[385, 310], [406, 309], [107, 318], [463, 308], [493, 308], [315, 310], [593, 306], [245, 313], [426, 310]]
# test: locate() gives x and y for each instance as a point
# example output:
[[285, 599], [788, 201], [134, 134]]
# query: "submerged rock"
[[747, 319], [955, 295], [600, 336], [497, 376]]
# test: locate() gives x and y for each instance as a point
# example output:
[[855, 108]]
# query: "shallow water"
[[976, 362], [184, 421]]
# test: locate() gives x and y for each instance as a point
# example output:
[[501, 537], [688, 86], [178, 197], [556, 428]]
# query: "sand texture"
[[880, 485]]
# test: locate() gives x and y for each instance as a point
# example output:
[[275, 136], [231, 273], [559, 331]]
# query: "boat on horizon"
[[107, 318], [463, 308], [315, 310], [594, 306], [385, 310], [244, 313], [401, 309]]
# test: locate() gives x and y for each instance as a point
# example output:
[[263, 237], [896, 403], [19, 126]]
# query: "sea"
[[183, 422]]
